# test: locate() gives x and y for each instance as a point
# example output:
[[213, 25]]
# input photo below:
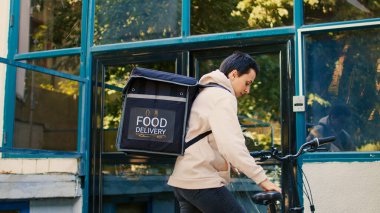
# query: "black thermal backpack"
[[155, 112]]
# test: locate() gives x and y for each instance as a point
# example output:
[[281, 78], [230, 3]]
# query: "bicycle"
[[270, 198]]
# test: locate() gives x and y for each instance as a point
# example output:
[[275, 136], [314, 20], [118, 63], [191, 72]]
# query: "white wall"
[[342, 187], [4, 22]]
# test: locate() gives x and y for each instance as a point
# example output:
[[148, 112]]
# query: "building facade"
[[63, 65]]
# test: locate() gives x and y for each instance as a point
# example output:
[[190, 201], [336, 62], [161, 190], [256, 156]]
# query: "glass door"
[[263, 113], [122, 183]]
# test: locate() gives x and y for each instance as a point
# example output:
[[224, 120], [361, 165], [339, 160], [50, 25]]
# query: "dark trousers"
[[211, 200]]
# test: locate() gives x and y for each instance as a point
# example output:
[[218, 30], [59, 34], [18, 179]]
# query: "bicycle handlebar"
[[325, 140], [306, 147]]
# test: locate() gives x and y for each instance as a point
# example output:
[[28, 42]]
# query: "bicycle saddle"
[[264, 198]]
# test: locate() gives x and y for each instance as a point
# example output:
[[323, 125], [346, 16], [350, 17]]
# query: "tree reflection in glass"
[[344, 68]]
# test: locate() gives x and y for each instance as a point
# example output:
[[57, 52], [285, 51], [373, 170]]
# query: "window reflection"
[[46, 112], [335, 123], [339, 10], [137, 170], [135, 20], [49, 24], [111, 119], [66, 64], [343, 69], [218, 16]]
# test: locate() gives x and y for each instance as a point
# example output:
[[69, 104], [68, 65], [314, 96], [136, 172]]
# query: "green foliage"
[[67, 64], [265, 13], [255, 142], [319, 11], [215, 16], [64, 86], [117, 76], [263, 102], [113, 103], [316, 99], [135, 20], [55, 24], [369, 147]]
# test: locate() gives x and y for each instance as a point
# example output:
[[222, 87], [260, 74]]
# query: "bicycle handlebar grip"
[[256, 154], [326, 140]]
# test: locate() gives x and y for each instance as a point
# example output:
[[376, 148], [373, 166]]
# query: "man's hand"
[[266, 185]]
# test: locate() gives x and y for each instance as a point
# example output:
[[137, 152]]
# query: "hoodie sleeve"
[[229, 138]]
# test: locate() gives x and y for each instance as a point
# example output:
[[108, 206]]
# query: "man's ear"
[[233, 74]]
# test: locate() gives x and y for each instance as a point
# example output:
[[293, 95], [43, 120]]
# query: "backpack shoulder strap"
[[213, 85], [201, 136], [196, 139]]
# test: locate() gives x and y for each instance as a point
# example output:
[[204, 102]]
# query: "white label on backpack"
[[151, 124]]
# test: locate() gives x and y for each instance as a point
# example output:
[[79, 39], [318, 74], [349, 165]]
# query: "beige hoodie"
[[206, 164]]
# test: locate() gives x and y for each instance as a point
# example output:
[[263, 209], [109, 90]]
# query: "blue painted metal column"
[[299, 87], [186, 7], [10, 81], [299, 70], [88, 10]]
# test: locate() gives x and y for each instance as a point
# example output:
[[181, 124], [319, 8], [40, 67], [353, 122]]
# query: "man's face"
[[242, 84]]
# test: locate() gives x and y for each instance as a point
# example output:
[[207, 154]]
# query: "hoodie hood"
[[324, 121], [217, 77]]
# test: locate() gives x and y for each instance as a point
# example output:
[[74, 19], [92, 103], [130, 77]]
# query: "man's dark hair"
[[240, 61]]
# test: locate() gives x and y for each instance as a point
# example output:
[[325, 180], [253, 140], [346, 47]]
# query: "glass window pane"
[[339, 10], [118, 76], [111, 119], [46, 112], [66, 64], [49, 24], [236, 15], [342, 83], [207, 65], [136, 20]]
